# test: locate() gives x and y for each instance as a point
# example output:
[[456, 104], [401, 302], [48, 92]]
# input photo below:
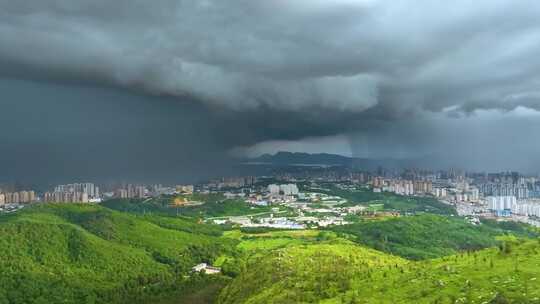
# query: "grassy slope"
[[344, 273], [83, 254], [304, 273], [254, 242], [488, 276], [426, 236], [420, 236]]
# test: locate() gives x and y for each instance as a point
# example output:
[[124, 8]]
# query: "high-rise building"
[[474, 194], [32, 196], [24, 197], [439, 192], [289, 189], [15, 198], [422, 186], [499, 203], [122, 193], [377, 182], [140, 191], [273, 189], [408, 188], [130, 191], [89, 188]]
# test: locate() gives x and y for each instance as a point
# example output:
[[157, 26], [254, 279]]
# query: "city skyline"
[[506, 196]]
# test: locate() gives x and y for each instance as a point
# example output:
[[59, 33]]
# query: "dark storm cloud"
[[253, 71], [291, 55]]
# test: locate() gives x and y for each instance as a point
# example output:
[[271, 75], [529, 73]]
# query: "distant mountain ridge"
[[298, 158], [288, 158]]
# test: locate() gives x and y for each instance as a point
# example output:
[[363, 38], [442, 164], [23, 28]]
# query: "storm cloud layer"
[[285, 70], [344, 55]]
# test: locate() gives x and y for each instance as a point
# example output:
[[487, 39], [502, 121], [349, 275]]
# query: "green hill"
[[344, 273], [69, 253], [211, 205], [305, 273], [90, 254], [428, 236]]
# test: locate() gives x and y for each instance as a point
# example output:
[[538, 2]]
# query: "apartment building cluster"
[[507, 205], [232, 182], [132, 191], [284, 189], [20, 197], [402, 186], [527, 208], [519, 190], [461, 191], [499, 203], [66, 197], [456, 195], [73, 193]]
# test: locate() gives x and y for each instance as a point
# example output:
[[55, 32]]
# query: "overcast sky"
[[171, 88]]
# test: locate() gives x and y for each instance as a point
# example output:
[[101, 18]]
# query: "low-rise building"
[[205, 268]]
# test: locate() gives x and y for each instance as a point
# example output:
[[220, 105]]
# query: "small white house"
[[205, 268]]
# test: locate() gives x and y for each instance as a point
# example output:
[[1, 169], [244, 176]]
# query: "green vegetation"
[[203, 292], [212, 207], [304, 274], [69, 253], [391, 202], [185, 224], [512, 227], [342, 273], [259, 243], [269, 240], [426, 236], [90, 254], [225, 208]]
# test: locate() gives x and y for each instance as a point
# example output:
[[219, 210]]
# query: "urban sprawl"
[[306, 200]]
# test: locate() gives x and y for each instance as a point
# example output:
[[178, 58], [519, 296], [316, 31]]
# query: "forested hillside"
[[210, 206], [428, 236], [90, 254], [69, 253]]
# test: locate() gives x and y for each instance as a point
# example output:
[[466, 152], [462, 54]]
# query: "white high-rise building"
[[88, 188], [527, 209], [499, 203], [474, 194], [273, 189], [440, 192], [289, 189]]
